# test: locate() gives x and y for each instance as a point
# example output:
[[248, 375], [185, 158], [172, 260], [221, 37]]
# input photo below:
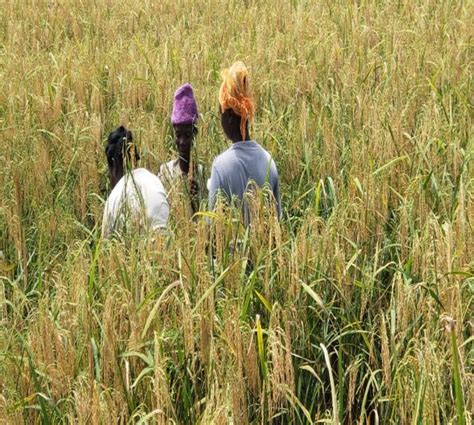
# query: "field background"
[[357, 308]]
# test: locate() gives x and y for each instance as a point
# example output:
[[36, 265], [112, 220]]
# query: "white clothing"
[[170, 174], [138, 198], [176, 184]]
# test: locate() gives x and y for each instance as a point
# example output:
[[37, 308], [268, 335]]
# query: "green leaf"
[[261, 348], [143, 373], [264, 301], [313, 295], [147, 359], [389, 164]]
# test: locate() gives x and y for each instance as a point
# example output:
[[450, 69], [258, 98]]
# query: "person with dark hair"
[[245, 162], [182, 175], [138, 197]]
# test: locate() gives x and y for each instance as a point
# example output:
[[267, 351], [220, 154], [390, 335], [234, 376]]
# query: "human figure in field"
[[181, 175], [138, 198], [245, 160]]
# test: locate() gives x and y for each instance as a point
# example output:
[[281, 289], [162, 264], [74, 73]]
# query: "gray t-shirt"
[[242, 163]]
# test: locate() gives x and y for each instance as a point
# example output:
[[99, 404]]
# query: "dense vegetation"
[[356, 308]]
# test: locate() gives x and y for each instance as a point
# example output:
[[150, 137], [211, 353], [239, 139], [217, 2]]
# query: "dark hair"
[[119, 143]]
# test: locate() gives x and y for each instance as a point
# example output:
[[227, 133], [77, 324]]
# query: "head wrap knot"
[[235, 94]]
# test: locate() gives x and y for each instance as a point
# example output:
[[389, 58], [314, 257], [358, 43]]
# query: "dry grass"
[[367, 109]]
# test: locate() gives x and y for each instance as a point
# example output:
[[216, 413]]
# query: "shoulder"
[[162, 169], [223, 159], [269, 157], [267, 154], [143, 174], [220, 166], [261, 149], [145, 178], [168, 166], [168, 170]]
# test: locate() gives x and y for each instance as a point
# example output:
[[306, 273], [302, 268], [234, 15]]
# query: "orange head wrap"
[[235, 94]]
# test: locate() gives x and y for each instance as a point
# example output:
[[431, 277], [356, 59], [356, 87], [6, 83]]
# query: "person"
[[245, 161], [181, 174], [138, 197]]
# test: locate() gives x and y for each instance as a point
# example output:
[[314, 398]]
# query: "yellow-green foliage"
[[337, 313]]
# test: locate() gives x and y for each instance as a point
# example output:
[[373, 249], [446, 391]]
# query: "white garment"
[[138, 198], [176, 184], [170, 173]]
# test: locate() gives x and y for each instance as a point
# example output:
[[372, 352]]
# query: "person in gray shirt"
[[245, 162]]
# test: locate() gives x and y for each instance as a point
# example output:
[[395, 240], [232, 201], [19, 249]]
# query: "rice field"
[[357, 307]]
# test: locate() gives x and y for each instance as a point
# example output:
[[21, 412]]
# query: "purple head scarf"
[[184, 106]]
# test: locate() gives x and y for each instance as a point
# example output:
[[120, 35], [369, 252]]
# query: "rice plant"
[[356, 307]]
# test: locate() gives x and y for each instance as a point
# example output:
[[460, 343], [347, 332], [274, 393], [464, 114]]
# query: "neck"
[[239, 138], [183, 164], [114, 179], [115, 174], [184, 159]]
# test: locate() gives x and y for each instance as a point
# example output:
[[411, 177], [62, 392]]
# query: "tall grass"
[[335, 314]]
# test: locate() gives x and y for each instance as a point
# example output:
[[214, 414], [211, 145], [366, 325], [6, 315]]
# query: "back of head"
[[120, 147], [235, 94], [120, 144]]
